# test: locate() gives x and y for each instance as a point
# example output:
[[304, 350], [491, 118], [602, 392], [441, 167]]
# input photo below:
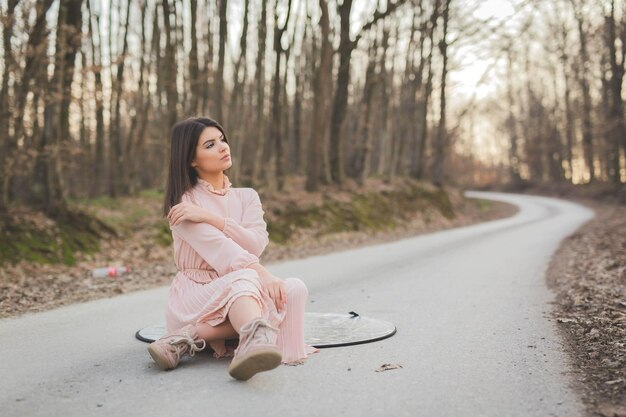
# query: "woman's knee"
[[296, 288]]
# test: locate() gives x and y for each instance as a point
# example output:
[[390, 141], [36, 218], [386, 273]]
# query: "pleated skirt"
[[194, 302]]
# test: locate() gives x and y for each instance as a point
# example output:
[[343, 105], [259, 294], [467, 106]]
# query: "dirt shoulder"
[[32, 287], [588, 276]]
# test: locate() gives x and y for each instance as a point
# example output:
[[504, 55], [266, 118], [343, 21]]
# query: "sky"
[[473, 66]]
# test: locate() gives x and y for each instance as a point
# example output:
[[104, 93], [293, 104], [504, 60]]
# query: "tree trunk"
[[47, 175], [276, 131], [237, 95], [424, 96], [321, 89], [441, 143], [617, 128], [340, 102], [584, 85], [294, 157], [194, 70], [257, 162], [139, 121], [117, 159], [36, 59], [219, 80], [364, 133], [99, 153], [376, 159], [511, 124], [170, 67], [5, 111]]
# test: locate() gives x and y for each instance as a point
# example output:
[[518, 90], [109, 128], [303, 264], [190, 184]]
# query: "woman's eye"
[[210, 145]]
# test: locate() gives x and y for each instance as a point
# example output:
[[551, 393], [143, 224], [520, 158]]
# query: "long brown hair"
[[182, 176]]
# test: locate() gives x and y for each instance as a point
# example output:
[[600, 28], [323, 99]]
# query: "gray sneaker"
[[168, 350], [257, 350]]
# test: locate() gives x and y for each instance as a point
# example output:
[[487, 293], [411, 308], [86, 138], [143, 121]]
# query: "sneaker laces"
[[251, 334], [182, 343]]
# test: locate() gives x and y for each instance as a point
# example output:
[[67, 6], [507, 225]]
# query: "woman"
[[221, 291]]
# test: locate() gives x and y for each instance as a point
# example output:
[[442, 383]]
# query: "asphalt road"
[[474, 337]]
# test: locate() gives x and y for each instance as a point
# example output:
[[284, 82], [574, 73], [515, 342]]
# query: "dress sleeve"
[[218, 250], [252, 233]]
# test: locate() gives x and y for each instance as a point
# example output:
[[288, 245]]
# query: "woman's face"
[[212, 152]]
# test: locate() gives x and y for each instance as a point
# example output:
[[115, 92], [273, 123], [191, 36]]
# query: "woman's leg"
[[291, 336], [216, 336], [222, 331], [243, 310]]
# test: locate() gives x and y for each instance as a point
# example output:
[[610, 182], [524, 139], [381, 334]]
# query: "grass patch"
[[125, 214], [366, 211], [33, 237]]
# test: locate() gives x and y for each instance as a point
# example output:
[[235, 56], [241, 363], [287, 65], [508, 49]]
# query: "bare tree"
[[617, 128], [321, 87], [424, 90], [219, 80], [117, 158], [441, 141], [47, 175], [583, 79], [361, 155], [511, 124], [7, 34], [34, 61], [257, 162], [194, 70], [276, 131], [340, 100]]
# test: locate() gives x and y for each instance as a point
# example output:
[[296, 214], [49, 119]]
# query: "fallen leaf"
[[564, 320], [388, 366]]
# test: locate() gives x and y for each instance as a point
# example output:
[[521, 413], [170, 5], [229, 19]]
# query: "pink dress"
[[212, 268]]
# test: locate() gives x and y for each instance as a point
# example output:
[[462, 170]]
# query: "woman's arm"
[[222, 253], [252, 233], [187, 221], [274, 286]]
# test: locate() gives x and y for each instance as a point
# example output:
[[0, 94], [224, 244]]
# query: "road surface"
[[470, 304]]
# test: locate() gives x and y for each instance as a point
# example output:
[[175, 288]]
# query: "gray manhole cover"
[[321, 330]]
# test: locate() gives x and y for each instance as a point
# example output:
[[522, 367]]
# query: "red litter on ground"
[[111, 271]]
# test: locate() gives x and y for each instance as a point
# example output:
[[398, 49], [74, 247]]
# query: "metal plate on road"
[[321, 330]]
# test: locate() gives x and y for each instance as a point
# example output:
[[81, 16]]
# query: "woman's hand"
[[187, 211], [275, 288]]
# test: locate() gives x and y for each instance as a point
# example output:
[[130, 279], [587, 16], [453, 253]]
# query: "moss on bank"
[[366, 211], [33, 237]]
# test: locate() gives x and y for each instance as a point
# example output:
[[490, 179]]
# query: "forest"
[[362, 124], [448, 91]]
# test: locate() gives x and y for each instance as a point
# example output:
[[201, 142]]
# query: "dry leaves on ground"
[[388, 366], [588, 273]]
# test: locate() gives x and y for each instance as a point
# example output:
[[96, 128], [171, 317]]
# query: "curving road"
[[474, 337]]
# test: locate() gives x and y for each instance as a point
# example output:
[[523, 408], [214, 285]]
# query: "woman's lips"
[[226, 157]]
